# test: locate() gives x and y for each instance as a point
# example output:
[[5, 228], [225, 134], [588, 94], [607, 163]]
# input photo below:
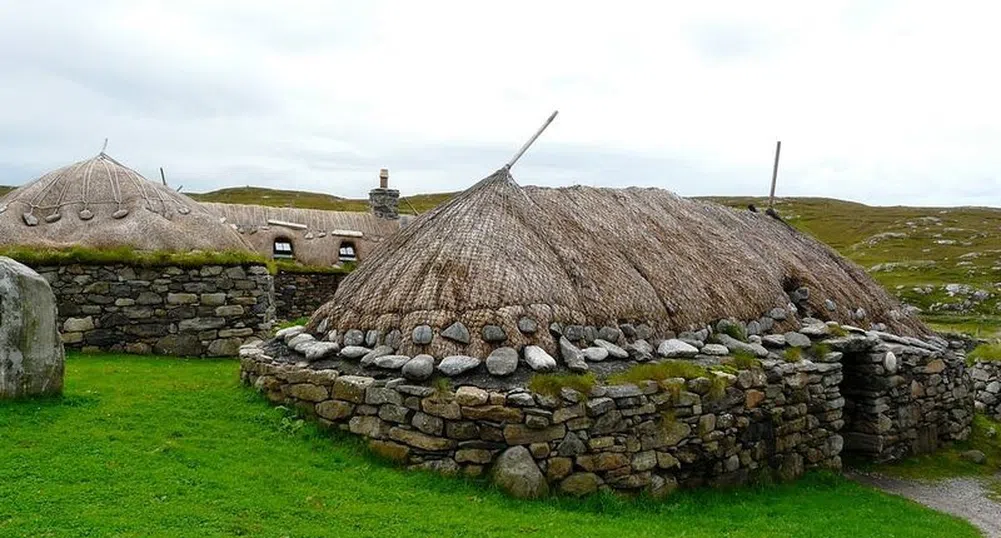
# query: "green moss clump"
[[819, 350], [552, 384], [734, 330], [744, 360], [128, 255], [793, 354], [658, 371], [985, 353], [442, 388], [717, 387], [837, 330]]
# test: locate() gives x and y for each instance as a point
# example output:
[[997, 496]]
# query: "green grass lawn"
[[168, 447]]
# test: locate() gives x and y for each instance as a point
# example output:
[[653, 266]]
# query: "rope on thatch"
[[592, 256]]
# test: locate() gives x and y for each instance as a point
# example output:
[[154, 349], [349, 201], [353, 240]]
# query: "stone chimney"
[[385, 202]]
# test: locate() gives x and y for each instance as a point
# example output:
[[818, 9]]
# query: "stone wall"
[[987, 387], [206, 311], [298, 295], [653, 436], [905, 396], [780, 402]]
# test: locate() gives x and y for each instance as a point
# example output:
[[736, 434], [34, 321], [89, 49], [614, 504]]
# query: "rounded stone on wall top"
[[422, 335], [493, 333], [354, 337], [527, 325]]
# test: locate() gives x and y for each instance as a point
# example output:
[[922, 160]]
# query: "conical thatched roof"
[[592, 256], [102, 203]]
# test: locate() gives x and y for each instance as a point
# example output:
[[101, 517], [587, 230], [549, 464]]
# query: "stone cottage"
[[697, 344], [316, 237], [102, 204]]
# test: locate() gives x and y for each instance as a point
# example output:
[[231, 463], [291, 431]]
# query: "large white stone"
[[31, 351], [538, 359], [673, 348]]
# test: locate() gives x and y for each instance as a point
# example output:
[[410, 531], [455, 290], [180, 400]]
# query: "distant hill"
[[311, 200], [5, 189]]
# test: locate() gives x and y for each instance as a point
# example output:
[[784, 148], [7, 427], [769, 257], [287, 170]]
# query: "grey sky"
[[881, 102]]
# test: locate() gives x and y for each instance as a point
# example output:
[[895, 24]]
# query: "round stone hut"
[[586, 338], [101, 203]]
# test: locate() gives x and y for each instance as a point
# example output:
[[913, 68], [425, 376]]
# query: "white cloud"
[[874, 101]]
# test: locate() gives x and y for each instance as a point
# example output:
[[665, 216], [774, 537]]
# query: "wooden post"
[[163, 178], [531, 140], [775, 174]]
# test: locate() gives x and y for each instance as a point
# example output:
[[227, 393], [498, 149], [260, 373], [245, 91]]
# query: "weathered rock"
[[774, 340], [614, 351], [502, 361], [289, 332], [527, 325], [320, 350], [334, 409], [354, 352], [974, 456], [422, 335], [595, 354], [457, 332], [714, 349], [538, 360], [572, 356], [457, 365], [580, 484], [392, 362], [298, 340], [354, 337], [179, 345], [352, 388], [371, 356], [419, 368], [674, 348], [394, 339], [493, 333], [31, 351], [796, 339], [517, 474], [469, 395]]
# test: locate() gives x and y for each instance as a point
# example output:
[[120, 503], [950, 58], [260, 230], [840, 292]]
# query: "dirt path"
[[963, 497]]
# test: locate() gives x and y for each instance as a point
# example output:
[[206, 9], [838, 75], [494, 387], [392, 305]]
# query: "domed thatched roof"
[[590, 256], [102, 203]]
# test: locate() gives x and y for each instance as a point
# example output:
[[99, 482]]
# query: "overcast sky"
[[880, 102]]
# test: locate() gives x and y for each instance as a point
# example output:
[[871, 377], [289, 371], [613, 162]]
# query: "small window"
[[283, 248], [347, 252]]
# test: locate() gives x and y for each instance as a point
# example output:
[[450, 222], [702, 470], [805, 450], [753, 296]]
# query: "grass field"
[[167, 447]]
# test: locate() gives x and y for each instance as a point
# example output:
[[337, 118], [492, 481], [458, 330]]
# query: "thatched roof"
[[101, 203], [317, 235], [593, 256]]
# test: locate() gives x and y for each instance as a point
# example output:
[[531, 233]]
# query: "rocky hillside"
[[946, 262]]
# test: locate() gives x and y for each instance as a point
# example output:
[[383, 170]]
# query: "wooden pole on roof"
[[775, 174], [531, 140], [163, 178]]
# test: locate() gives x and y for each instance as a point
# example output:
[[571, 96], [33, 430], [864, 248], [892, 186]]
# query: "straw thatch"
[[592, 256], [320, 241], [101, 203]]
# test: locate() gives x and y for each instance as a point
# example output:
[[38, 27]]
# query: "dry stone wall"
[[765, 403], [987, 387], [653, 436], [206, 311], [298, 295], [905, 396]]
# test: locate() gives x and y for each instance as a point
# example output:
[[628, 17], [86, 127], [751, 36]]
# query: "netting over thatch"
[[592, 256], [102, 203]]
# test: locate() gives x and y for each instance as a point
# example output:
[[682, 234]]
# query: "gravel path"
[[962, 497]]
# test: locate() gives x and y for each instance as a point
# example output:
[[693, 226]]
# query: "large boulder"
[[516, 473], [31, 352]]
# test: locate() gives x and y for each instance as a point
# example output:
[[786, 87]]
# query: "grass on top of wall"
[[159, 446], [985, 353], [142, 258]]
